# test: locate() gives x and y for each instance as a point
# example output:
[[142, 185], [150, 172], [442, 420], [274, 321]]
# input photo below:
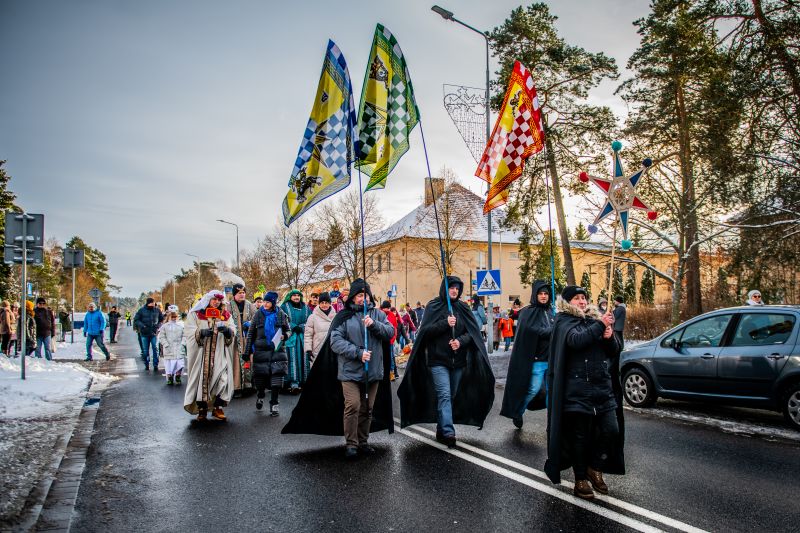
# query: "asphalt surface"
[[150, 467]]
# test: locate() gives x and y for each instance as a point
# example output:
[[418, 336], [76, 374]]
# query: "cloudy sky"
[[137, 124]]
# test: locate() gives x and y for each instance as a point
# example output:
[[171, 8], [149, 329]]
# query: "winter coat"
[[440, 333], [170, 337], [94, 323], [63, 318], [113, 317], [147, 321], [248, 312], [506, 326], [268, 358], [582, 377], [393, 321], [30, 338], [532, 344], [6, 320], [408, 322], [474, 398], [620, 313], [347, 342], [45, 322], [317, 327], [480, 314], [419, 313]]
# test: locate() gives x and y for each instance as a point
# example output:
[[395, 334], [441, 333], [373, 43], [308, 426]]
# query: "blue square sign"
[[488, 282]]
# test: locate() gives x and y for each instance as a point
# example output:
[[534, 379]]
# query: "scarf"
[[269, 323]]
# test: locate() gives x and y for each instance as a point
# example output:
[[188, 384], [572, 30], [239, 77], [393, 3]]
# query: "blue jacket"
[[94, 323]]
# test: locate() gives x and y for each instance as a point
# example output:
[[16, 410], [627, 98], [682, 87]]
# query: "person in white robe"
[[173, 346]]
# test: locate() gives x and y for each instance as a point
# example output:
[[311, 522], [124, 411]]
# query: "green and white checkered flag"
[[388, 110]]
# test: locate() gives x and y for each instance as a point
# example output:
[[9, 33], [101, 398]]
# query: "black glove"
[[205, 333], [270, 347], [225, 330]]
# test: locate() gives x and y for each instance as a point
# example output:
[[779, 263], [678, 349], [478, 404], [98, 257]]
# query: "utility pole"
[[73, 258]]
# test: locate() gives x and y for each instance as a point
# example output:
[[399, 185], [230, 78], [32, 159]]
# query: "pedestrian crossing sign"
[[488, 282]]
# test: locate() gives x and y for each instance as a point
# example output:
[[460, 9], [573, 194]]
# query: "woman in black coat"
[[584, 411], [270, 362]]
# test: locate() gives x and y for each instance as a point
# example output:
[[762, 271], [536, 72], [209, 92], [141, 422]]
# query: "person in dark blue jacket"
[[147, 321], [94, 324]]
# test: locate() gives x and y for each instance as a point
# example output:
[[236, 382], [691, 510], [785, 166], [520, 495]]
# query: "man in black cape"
[[585, 425], [320, 408], [473, 396], [528, 364]]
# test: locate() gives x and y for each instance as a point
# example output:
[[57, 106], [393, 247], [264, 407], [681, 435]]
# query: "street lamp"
[[448, 15], [237, 239], [173, 276], [199, 289]]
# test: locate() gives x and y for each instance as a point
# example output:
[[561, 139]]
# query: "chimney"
[[318, 250], [438, 189]]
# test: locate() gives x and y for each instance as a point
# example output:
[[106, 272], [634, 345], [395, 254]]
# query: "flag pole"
[[364, 264], [438, 229], [611, 269], [550, 233]]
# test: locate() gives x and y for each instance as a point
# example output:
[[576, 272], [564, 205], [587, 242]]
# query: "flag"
[[388, 110], [517, 135], [323, 163]]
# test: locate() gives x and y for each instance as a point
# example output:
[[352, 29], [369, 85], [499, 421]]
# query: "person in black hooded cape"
[[473, 399], [531, 346], [320, 408], [585, 424]]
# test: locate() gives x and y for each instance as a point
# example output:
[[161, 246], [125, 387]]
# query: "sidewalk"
[[37, 418]]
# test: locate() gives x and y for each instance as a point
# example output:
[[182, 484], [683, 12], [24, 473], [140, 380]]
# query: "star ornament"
[[620, 193]]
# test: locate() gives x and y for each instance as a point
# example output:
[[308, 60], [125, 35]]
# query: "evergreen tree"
[[618, 285], [564, 74], [6, 204], [580, 232], [586, 283], [335, 236], [630, 285], [95, 264], [647, 288], [542, 264]]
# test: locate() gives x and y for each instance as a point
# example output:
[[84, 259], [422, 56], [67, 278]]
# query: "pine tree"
[[564, 74], [647, 288], [586, 283], [6, 203], [335, 236], [580, 233], [630, 285], [618, 285]]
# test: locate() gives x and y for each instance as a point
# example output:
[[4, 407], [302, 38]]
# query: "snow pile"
[[34, 413]]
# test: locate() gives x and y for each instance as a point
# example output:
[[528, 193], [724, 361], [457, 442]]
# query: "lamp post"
[[174, 297], [448, 15], [237, 239], [199, 289]]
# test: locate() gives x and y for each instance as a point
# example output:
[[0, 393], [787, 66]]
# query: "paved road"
[[150, 468]]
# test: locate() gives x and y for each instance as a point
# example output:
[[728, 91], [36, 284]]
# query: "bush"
[[645, 322]]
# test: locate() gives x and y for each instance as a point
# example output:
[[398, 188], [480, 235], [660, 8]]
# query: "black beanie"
[[150, 301], [324, 297], [386, 304], [237, 288], [570, 291]]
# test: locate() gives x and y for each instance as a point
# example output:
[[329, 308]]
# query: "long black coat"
[[475, 396], [266, 361], [558, 454], [533, 335], [320, 408]]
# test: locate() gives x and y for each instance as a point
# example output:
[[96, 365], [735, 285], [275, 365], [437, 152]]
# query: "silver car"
[[744, 356]]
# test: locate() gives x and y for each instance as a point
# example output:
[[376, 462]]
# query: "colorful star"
[[620, 192]]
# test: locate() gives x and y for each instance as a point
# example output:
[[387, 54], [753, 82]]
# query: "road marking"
[[549, 489]]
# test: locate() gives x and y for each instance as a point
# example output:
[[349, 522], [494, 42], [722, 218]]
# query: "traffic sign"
[[95, 293], [488, 282]]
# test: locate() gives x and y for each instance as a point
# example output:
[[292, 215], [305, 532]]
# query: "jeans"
[[445, 382], [47, 353], [99, 340], [508, 342], [537, 378], [589, 439], [149, 341]]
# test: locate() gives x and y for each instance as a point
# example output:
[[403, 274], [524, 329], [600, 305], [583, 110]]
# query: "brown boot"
[[583, 490], [202, 416], [596, 479], [218, 414]]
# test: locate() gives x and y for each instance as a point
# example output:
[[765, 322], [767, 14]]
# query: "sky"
[[137, 125]]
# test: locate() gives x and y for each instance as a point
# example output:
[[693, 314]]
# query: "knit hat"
[[324, 297], [237, 288], [271, 297], [40, 300], [571, 291], [29, 306], [150, 301], [173, 309], [386, 304]]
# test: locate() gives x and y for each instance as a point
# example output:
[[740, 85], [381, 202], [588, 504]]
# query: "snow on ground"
[[34, 413]]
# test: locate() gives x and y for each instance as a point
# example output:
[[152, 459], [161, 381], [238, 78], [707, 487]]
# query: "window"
[[380, 264], [705, 333], [514, 256], [388, 261], [481, 260], [675, 335], [761, 329]]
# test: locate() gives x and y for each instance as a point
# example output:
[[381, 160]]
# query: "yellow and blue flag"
[[323, 163], [388, 111]]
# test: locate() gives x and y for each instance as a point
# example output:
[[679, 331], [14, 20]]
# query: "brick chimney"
[[318, 250], [438, 189]]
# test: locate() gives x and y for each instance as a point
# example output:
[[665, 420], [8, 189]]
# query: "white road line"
[[641, 511]]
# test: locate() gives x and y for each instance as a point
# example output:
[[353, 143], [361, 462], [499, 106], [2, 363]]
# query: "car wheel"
[[638, 388], [791, 405]]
